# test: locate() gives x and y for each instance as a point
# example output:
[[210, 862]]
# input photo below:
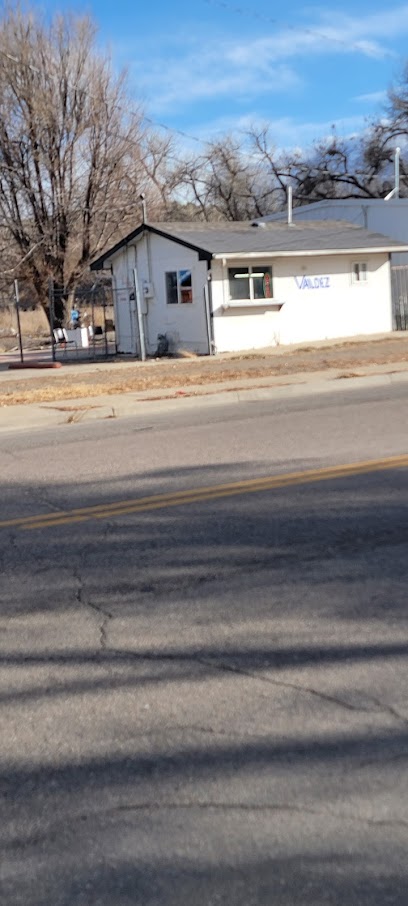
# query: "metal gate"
[[91, 335], [399, 284]]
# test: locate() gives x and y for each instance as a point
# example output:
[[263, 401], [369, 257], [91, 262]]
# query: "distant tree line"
[[76, 153]]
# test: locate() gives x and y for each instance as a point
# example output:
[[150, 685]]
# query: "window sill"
[[260, 303]]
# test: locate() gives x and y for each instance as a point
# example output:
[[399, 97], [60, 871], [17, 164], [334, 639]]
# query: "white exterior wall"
[[248, 327], [337, 308], [185, 324]]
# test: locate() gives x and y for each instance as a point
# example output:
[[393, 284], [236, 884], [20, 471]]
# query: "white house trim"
[[241, 256], [247, 303]]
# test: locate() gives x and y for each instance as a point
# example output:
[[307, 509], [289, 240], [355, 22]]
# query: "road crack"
[[284, 684], [384, 707], [308, 690], [96, 608], [225, 805], [390, 709]]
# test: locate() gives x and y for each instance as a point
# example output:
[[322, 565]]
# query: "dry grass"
[[33, 323], [348, 374], [347, 359]]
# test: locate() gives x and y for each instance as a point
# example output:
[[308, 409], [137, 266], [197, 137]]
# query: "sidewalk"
[[37, 416]]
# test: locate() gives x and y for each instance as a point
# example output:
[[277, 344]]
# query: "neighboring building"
[[387, 217], [235, 286]]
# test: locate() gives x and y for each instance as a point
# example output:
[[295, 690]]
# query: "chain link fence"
[[85, 330], [399, 282]]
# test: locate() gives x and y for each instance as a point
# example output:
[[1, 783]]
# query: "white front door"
[[125, 326]]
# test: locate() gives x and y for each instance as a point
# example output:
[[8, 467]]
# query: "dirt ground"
[[349, 358]]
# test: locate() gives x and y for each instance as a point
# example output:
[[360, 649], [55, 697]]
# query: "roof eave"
[[99, 263], [304, 253]]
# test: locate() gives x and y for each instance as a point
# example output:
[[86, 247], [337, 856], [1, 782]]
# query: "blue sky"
[[203, 67]]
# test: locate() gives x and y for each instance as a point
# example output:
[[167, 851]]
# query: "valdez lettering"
[[313, 282]]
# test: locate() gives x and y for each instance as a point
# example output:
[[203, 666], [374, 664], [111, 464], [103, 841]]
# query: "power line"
[[312, 32], [121, 109], [172, 130], [142, 117], [116, 106]]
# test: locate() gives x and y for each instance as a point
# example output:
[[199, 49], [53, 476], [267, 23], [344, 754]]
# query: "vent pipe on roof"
[[290, 206], [142, 197], [397, 171], [395, 191]]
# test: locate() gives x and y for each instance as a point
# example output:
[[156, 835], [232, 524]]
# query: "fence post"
[[93, 319], [51, 311], [17, 303], [104, 322]]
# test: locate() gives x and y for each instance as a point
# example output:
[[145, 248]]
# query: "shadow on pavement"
[[207, 703]]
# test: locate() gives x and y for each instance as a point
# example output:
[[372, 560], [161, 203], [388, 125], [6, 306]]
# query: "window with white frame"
[[359, 272], [179, 287], [250, 284]]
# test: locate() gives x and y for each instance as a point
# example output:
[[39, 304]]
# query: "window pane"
[[186, 288], [262, 282], [171, 288], [238, 283], [359, 272]]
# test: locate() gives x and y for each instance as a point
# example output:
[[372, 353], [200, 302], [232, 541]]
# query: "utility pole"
[[396, 190], [142, 340]]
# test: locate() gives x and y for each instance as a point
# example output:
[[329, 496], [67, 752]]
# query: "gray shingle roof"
[[275, 237], [269, 238]]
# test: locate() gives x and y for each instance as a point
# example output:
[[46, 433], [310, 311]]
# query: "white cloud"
[[212, 76], [293, 43], [289, 133], [373, 97], [285, 132], [390, 24], [182, 73]]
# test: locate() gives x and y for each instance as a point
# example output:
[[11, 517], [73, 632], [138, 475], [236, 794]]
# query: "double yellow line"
[[201, 495]]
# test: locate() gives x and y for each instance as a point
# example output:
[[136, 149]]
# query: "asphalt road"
[[207, 701]]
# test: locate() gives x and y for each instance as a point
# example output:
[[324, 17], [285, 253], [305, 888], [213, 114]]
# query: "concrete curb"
[[33, 366], [37, 416]]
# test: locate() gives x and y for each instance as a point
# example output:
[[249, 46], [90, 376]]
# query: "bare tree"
[[245, 177], [71, 151], [388, 132], [333, 167], [231, 180]]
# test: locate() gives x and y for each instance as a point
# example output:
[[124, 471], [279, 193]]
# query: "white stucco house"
[[214, 287]]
